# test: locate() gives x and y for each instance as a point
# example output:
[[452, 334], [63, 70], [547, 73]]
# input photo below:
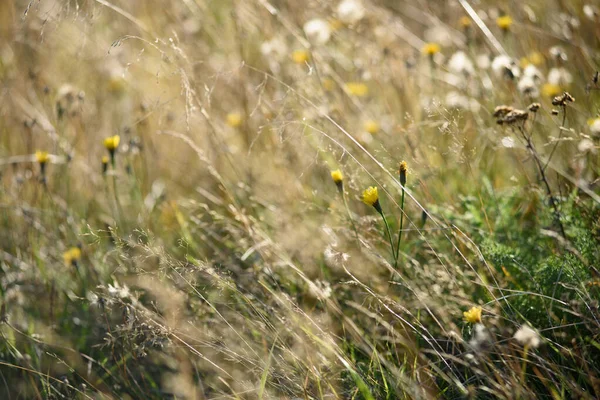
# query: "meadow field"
[[299, 199]]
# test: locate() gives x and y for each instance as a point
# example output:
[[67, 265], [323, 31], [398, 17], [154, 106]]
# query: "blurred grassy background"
[[215, 257]]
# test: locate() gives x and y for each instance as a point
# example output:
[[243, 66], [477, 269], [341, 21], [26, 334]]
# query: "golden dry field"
[[299, 199]]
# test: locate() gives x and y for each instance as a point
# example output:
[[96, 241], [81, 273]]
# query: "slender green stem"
[[389, 234], [350, 216], [400, 230]]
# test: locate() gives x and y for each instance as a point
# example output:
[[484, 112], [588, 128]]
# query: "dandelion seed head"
[[527, 337], [560, 77], [508, 142], [460, 63], [317, 31], [350, 11]]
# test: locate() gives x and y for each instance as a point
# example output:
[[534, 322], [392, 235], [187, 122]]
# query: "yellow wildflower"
[[371, 126], [504, 22], [300, 56], [370, 196], [431, 49], [328, 84], [42, 157], [234, 119], [536, 58], [473, 316], [104, 164], [403, 170], [551, 90], [465, 22], [337, 176], [72, 256], [112, 142], [116, 84], [357, 89], [335, 24]]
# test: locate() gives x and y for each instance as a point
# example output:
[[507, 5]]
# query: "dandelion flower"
[[300, 56], [465, 22], [371, 197], [111, 143], [403, 171], [234, 119], [104, 164], [357, 89], [317, 31], [328, 84], [431, 49], [527, 337], [551, 90], [337, 176], [338, 179], [473, 316], [72, 256], [42, 157], [371, 126], [504, 22]]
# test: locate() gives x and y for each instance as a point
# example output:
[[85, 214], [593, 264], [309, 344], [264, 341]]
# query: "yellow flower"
[[592, 121], [234, 119], [328, 84], [473, 316], [358, 89], [370, 196], [371, 126], [112, 142], [337, 176], [300, 56], [42, 157], [72, 256], [504, 22], [551, 90], [536, 58], [104, 164], [116, 84], [431, 49], [335, 24], [403, 170], [465, 22]]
